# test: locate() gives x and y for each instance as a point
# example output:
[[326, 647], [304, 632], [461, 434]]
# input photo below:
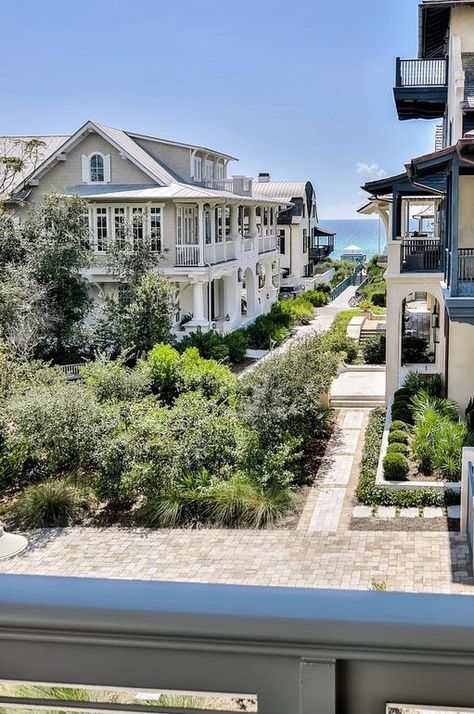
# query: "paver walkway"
[[335, 557]]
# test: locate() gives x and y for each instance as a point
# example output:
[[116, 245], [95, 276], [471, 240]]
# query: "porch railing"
[[421, 72], [420, 256], [293, 650], [267, 243], [188, 255], [466, 271]]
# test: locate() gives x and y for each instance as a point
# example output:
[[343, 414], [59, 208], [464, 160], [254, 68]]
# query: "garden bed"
[[414, 480], [371, 493]]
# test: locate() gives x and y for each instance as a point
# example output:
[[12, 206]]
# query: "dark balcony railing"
[[465, 271], [420, 256], [421, 72], [291, 650]]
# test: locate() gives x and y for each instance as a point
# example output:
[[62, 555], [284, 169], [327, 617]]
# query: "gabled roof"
[[123, 141], [197, 147]]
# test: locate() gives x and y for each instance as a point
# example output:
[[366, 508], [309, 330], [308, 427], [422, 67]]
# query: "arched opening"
[[420, 329], [247, 295]]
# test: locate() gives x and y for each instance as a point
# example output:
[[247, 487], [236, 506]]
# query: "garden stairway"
[[358, 388]]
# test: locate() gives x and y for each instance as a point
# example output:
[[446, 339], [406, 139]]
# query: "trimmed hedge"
[[395, 467], [398, 436], [371, 495], [398, 425], [397, 448]]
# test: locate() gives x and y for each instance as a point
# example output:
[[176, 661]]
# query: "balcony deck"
[[293, 650], [421, 88], [421, 255]]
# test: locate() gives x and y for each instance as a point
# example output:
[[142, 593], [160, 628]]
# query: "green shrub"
[[423, 403], [395, 467], [415, 381], [414, 350], [379, 298], [397, 448], [372, 495], [301, 310], [403, 392], [50, 505], [402, 412], [399, 437], [341, 344], [163, 363], [373, 350], [282, 395], [209, 344], [112, 380], [48, 431], [272, 329], [322, 288], [317, 298], [398, 425], [237, 343]]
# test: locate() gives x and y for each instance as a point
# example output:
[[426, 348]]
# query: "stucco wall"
[[466, 212], [460, 371], [462, 24]]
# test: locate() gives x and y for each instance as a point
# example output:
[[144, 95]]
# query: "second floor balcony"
[[193, 254], [421, 255], [421, 88]]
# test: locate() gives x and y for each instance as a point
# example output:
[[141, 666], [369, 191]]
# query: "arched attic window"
[[96, 168]]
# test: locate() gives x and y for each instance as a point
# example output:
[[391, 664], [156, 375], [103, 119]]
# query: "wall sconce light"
[[213, 325], [267, 296], [227, 318]]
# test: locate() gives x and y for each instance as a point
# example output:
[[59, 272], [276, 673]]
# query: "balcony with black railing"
[[421, 88], [421, 255]]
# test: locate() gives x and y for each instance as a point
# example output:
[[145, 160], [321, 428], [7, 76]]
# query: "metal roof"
[[197, 147], [119, 138], [13, 146], [151, 192], [280, 189]]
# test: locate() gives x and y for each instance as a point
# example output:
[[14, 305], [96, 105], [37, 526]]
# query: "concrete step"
[[356, 402]]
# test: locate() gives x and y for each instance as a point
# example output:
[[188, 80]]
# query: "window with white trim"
[[86, 240], [120, 228], [220, 170], [155, 228], [101, 228], [209, 169], [96, 168], [137, 226], [220, 228], [197, 171]]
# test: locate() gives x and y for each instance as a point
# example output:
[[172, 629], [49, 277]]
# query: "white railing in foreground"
[[300, 651]]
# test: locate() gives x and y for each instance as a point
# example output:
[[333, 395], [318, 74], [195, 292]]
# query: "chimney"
[[263, 178]]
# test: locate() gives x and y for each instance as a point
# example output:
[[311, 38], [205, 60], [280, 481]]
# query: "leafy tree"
[[17, 159], [144, 320], [56, 238]]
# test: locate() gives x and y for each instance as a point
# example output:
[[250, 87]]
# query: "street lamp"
[[11, 544]]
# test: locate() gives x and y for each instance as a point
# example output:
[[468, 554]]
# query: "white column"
[[200, 232], [268, 276], [234, 221], [198, 304], [253, 221]]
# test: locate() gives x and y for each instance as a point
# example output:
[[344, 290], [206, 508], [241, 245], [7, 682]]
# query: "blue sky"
[[301, 89]]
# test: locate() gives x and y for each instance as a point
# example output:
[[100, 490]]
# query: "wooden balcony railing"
[[286, 650], [418, 255], [421, 72]]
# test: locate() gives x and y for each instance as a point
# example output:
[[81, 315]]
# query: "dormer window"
[[96, 168]]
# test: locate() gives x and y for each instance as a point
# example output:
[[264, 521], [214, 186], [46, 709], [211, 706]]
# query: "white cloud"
[[372, 171]]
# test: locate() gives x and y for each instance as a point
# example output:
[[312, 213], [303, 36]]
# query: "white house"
[[303, 244], [429, 207], [217, 241]]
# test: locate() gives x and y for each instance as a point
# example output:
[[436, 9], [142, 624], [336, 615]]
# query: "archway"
[[247, 299], [420, 326]]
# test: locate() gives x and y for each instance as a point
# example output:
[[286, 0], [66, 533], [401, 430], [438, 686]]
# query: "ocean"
[[367, 233]]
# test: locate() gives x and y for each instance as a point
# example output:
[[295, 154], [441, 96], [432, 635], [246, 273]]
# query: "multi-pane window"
[[101, 228], [97, 169], [220, 170], [119, 227], [197, 173], [85, 241], [155, 229], [281, 240], [209, 168], [137, 226], [220, 227]]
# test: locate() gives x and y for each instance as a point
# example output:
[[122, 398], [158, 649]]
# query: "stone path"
[[336, 557]]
